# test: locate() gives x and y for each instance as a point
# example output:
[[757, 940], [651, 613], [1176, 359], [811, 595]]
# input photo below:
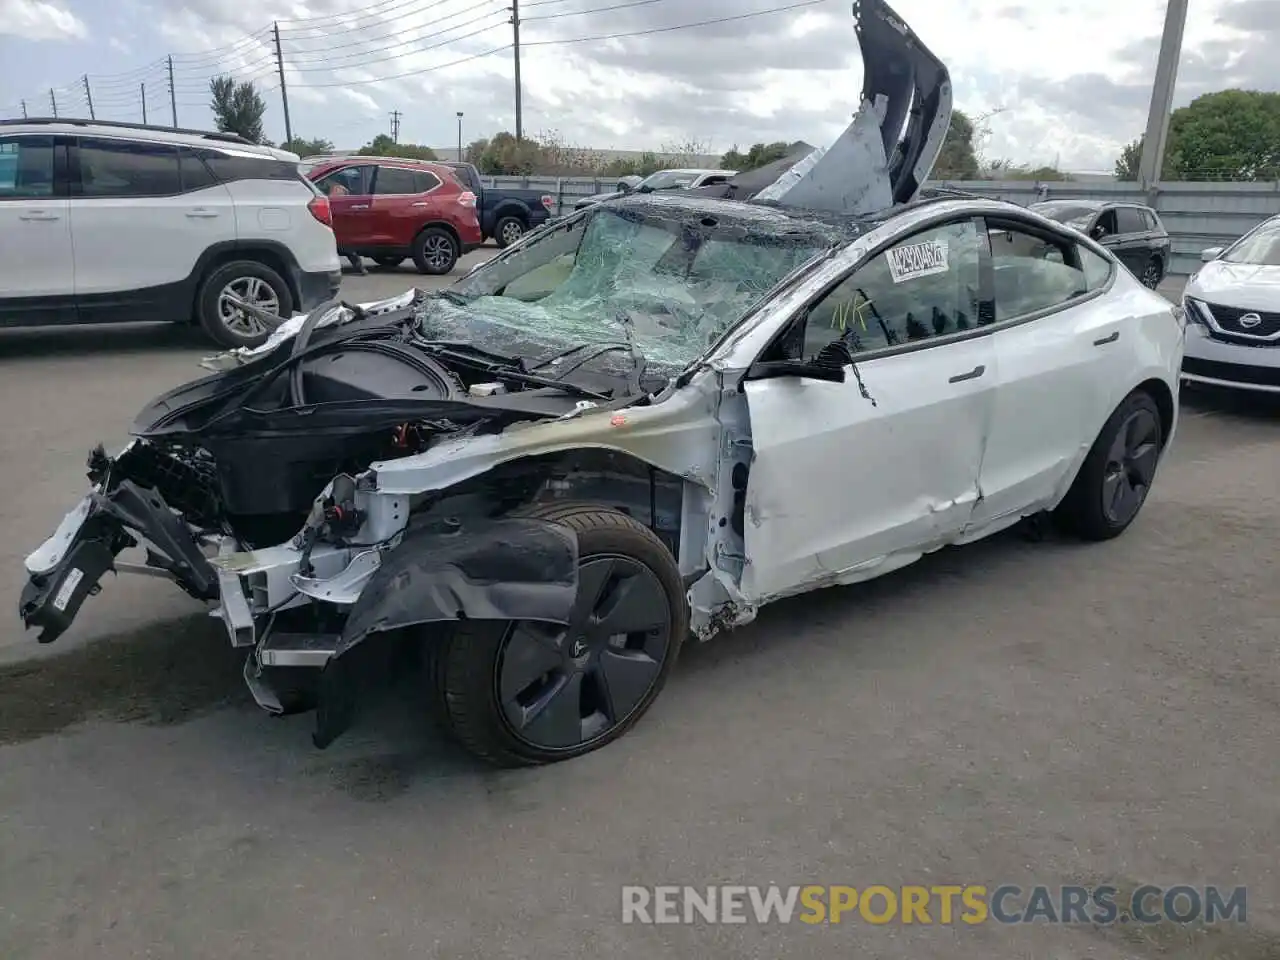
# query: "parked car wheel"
[[249, 281], [1116, 476], [435, 251], [508, 230], [388, 262], [1153, 273], [517, 693]]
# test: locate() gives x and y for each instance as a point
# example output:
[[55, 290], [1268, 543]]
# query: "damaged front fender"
[[509, 568]]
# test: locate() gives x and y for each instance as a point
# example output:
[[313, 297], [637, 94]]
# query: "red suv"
[[387, 209]]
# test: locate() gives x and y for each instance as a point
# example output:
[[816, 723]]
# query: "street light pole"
[[460, 157]]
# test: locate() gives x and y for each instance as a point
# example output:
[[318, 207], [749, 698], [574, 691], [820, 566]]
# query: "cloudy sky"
[[1064, 82]]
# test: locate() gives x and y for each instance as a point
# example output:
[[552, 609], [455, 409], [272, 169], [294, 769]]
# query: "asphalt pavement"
[[1010, 712]]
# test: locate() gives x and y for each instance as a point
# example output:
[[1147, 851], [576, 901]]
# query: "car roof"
[[153, 132], [441, 169]]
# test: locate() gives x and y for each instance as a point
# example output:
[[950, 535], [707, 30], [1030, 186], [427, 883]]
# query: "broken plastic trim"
[[505, 569]]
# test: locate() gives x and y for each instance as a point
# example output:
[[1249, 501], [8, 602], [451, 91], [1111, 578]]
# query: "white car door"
[[1063, 368], [138, 235], [850, 480], [35, 234]]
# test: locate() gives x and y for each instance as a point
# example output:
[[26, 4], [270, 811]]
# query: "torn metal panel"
[[886, 154], [505, 569]]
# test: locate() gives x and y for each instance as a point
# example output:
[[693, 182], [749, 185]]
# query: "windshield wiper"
[[637, 358]]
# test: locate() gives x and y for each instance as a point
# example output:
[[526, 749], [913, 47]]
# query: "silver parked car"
[[639, 426]]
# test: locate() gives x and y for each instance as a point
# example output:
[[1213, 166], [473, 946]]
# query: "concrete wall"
[[1197, 215]]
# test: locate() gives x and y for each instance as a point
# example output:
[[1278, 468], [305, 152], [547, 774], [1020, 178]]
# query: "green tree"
[[237, 108], [383, 146], [506, 156], [958, 158], [1130, 160], [308, 148], [475, 151], [1228, 135], [758, 155]]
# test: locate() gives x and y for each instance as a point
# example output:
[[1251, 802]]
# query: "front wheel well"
[[1159, 391]]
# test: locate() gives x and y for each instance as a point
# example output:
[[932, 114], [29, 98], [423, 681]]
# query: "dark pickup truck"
[[506, 214]]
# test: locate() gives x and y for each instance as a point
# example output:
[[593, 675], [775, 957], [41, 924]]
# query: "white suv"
[[113, 222]]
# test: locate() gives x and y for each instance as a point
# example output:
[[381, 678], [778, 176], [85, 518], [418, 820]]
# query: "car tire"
[[435, 251], [480, 692], [1152, 274], [1115, 478], [508, 230], [388, 263], [249, 279]]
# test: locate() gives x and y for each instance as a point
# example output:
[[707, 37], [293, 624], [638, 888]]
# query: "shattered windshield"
[[1064, 211], [669, 279]]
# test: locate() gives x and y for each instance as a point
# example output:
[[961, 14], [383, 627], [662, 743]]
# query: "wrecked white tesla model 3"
[[639, 424]]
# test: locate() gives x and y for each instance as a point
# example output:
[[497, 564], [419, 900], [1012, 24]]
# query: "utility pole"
[[53, 102], [395, 126], [88, 95], [1151, 165], [460, 156], [24, 110], [284, 93], [142, 90], [173, 97], [515, 34]]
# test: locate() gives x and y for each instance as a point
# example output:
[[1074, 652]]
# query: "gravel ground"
[[1009, 712]]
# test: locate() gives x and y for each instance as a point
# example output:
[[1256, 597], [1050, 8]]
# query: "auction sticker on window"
[[917, 260]]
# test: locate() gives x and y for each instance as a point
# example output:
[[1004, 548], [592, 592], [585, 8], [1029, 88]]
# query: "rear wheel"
[[388, 263], [1116, 476], [218, 308], [508, 230], [435, 251], [518, 693]]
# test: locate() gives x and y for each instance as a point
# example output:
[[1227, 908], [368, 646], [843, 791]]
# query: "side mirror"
[[624, 187], [801, 369], [1210, 253]]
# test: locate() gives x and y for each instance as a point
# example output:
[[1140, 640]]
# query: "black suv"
[[1129, 230]]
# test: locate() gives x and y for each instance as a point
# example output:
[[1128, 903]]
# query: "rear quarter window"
[[228, 169]]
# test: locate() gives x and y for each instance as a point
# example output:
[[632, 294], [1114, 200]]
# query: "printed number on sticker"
[[68, 587], [917, 260]]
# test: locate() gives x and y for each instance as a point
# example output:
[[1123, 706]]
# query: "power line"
[[410, 73], [582, 13], [379, 20], [679, 26], [366, 50], [368, 11], [329, 66]]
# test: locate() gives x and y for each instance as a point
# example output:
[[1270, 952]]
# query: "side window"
[[424, 181], [228, 168], [1129, 220], [925, 286], [195, 175], [124, 168], [393, 181], [350, 180], [1031, 273], [1097, 270], [26, 167]]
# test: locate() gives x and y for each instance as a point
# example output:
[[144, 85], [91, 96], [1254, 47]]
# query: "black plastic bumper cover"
[[503, 569], [106, 531]]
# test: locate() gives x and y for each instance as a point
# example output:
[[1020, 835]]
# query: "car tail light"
[[548, 201], [319, 207], [467, 198]]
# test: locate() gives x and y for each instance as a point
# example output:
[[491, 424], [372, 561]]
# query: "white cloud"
[[39, 20], [1068, 80]]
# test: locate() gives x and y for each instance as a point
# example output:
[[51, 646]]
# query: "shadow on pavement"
[[107, 339], [1240, 404]]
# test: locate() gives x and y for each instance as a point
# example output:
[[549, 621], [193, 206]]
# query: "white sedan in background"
[[1233, 305]]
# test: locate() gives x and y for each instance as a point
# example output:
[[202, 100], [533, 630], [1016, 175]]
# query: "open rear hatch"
[[888, 151]]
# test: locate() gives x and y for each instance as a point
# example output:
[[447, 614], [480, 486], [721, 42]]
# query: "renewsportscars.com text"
[[935, 904]]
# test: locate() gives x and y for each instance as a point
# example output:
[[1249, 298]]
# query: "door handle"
[[38, 215], [358, 206], [202, 213], [1110, 338], [973, 374], [420, 203]]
